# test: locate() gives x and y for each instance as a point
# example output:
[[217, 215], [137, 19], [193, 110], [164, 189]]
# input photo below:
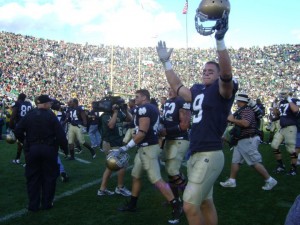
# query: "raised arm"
[[172, 78], [225, 81]]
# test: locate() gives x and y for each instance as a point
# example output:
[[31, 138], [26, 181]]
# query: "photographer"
[[246, 149], [94, 134], [111, 126]]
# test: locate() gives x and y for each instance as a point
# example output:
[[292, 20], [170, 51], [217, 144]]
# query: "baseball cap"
[[43, 99]]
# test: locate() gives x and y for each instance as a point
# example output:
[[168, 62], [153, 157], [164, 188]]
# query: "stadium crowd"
[[63, 70], [40, 67]]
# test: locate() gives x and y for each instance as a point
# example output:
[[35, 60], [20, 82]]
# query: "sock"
[[231, 180], [280, 162], [133, 201]]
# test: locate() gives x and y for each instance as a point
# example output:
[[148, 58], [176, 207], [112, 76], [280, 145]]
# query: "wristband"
[[131, 144], [220, 45], [167, 65], [226, 80]]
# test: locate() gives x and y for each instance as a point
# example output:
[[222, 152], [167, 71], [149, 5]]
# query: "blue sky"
[[136, 23]]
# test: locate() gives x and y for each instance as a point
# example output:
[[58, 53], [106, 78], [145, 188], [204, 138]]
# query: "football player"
[[19, 110], [77, 127], [146, 138], [211, 102], [274, 119], [289, 110], [176, 119]]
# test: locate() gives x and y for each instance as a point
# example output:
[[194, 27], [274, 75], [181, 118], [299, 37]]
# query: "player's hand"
[[162, 51], [221, 26]]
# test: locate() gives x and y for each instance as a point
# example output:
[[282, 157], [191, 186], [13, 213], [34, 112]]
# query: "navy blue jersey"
[[209, 111], [74, 115], [170, 116], [150, 111], [287, 117], [22, 108]]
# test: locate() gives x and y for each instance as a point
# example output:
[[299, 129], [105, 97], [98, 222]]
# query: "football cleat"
[[127, 207], [176, 214], [292, 172], [64, 177], [279, 169], [16, 161]]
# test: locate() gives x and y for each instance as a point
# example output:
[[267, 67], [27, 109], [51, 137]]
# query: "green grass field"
[[76, 201]]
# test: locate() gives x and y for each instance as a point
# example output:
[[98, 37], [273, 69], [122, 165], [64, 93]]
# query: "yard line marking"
[[24, 211], [78, 159]]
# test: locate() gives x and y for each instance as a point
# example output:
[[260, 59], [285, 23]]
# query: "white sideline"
[[65, 194]]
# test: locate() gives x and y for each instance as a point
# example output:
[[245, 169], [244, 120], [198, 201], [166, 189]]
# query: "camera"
[[106, 104], [56, 105]]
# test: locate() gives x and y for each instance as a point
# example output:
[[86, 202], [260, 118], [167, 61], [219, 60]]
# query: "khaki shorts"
[[174, 152], [146, 159], [275, 126], [203, 170], [247, 150], [74, 132], [289, 135]]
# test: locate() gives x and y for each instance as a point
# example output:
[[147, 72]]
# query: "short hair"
[[22, 97], [214, 63], [75, 100], [144, 92], [153, 102]]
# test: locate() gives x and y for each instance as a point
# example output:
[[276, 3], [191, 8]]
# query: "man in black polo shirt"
[[246, 149]]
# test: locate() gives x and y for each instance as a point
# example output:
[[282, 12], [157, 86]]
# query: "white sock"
[[232, 180], [269, 179]]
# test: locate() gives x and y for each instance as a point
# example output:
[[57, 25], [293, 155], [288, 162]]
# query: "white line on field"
[[78, 159], [22, 212]]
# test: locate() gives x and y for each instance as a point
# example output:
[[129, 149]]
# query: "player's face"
[[172, 93], [210, 73], [139, 99]]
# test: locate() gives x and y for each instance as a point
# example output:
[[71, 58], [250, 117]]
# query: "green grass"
[[246, 204]]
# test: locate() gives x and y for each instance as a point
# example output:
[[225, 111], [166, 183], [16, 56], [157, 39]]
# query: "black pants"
[[41, 173]]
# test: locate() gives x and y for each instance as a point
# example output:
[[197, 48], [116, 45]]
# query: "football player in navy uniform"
[[176, 119], [274, 120], [77, 127], [146, 138], [211, 103], [289, 110], [19, 110]]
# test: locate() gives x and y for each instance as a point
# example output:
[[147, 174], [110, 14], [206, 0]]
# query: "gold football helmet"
[[116, 160], [10, 138], [211, 10]]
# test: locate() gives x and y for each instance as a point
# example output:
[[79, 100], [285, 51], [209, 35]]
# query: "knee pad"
[[178, 181], [276, 151], [293, 155]]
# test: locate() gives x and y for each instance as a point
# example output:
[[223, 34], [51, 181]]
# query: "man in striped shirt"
[[246, 149]]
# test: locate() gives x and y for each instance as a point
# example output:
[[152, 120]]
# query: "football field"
[[76, 201]]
